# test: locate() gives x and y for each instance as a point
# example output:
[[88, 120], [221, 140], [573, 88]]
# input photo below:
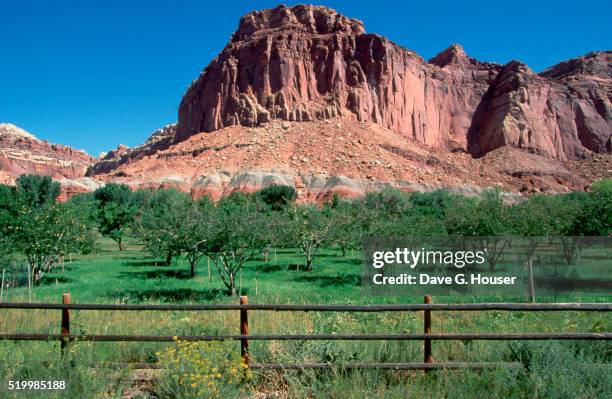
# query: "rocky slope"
[[336, 156], [307, 63]]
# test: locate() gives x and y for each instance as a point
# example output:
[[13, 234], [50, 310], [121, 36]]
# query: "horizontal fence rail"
[[387, 366], [523, 307], [65, 337], [312, 337]]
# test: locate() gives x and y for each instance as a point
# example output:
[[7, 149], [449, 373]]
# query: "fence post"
[[427, 330], [2, 286], [65, 323], [244, 330]]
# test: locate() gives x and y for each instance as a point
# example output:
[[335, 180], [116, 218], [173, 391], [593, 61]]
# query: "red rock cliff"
[[305, 63]]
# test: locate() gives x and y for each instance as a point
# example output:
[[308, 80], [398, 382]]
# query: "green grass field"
[[568, 369]]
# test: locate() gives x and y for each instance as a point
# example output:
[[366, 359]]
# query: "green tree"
[[386, 202], [532, 219], [277, 197], [37, 191], [596, 216], [197, 231], [435, 203], [115, 211], [485, 218], [7, 217], [162, 222], [307, 229], [345, 229], [565, 213], [236, 235], [34, 224]]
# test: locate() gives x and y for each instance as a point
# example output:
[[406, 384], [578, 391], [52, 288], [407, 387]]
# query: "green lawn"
[[555, 369]]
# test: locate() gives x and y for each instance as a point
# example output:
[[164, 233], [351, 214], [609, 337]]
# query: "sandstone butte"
[[304, 96]]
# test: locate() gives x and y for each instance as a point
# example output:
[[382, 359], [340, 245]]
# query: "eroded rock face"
[[159, 139], [22, 153], [308, 63], [563, 113], [255, 180]]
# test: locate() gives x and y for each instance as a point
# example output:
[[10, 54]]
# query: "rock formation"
[[21, 152], [159, 139], [565, 112], [306, 63], [303, 96]]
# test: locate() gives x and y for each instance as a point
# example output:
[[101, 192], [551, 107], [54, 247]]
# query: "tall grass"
[[550, 369]]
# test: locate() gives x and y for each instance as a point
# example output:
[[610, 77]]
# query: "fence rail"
[[65, 337], [522, 307], [311, 337]]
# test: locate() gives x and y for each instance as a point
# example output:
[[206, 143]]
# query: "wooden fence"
[[244, 337]]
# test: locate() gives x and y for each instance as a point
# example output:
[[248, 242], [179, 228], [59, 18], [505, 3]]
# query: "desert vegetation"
[[119, 246]]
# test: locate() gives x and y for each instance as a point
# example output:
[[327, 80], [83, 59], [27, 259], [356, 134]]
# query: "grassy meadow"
[[569, 369]]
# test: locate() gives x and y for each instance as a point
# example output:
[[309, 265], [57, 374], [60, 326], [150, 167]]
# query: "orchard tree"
[[486, 219], [435, 203], [43, 230], [7, 218], [170, 223], [345, 229], [385, 203], [115, 211], [565, 219], [196, 231], [307, 229], [75, 230], [162, 221], [596, 216], [237, 234], [37, 191], [532, 219], [35, 221], [277, 197]]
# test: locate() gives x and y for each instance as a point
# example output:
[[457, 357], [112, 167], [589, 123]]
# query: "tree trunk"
[[36, 276], [192, 264], [232, 285], [168, 259], [309, 263], [343, 252]]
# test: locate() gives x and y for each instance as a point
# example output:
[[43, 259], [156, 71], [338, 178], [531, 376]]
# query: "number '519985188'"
[[36, 385]]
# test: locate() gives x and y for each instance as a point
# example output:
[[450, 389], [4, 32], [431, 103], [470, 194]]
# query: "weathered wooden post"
[[244, 330], [65, 323], [2, 286], [427, 330]]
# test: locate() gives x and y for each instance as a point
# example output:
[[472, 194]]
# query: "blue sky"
[[93, 74]]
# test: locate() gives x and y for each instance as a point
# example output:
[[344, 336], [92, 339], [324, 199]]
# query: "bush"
[[201, 370]]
